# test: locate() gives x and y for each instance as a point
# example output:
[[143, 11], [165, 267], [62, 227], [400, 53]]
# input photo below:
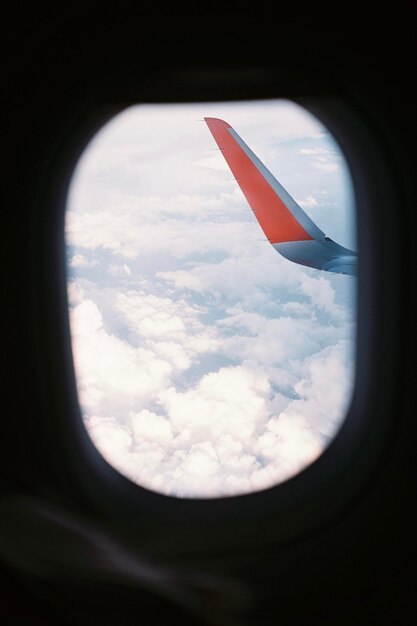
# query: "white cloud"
[[230, 431], [172, 328], [201, 446], [218, 443], [321, 292], [75, 293], [289, 445], [80, 261], [308, 203], [325, 390], [206, 363], [213, 162], [120, 270], [323, 159], [186, 226], [111, 373], [148, 426], [229, 401], [324, 166], [314, 151], [238, 275]]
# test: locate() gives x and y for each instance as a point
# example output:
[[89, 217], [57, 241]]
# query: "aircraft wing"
[[287, 227]]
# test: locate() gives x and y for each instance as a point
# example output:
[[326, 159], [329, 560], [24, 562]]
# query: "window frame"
[[345, 470]]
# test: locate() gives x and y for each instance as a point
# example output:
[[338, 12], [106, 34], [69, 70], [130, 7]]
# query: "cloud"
[[180, 226], [247, 425], [314, 151], [324, 392], [80, 261], [206, 363], [148, 426], [231, 430], [288, 445], [163, 337], [308, 203], [216, 438], [171, 329], [321, 292], [75, 293], [324, 166], [229, 401], [238, 275], [111, 373], [213, 162], [323, 159], [203, 443], [119, 270]]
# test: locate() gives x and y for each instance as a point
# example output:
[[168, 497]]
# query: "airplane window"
[[212, 290]]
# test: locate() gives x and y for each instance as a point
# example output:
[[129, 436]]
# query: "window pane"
[[208, 364]]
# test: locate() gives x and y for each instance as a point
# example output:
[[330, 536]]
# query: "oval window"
[[211, 282]]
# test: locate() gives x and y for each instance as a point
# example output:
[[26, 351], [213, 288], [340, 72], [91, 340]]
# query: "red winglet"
[[276, 220]]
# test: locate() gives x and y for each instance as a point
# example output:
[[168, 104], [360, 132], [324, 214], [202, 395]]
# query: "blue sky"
[[206, 363]]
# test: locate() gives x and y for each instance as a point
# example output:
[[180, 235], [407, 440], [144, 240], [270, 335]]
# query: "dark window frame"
[[346, 469]]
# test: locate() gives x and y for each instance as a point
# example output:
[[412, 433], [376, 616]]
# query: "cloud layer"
[[206, 363]]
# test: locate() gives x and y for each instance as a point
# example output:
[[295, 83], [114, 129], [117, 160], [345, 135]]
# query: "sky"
[[207, 365]]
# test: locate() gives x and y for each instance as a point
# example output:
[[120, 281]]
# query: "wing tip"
[[215, 123]]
